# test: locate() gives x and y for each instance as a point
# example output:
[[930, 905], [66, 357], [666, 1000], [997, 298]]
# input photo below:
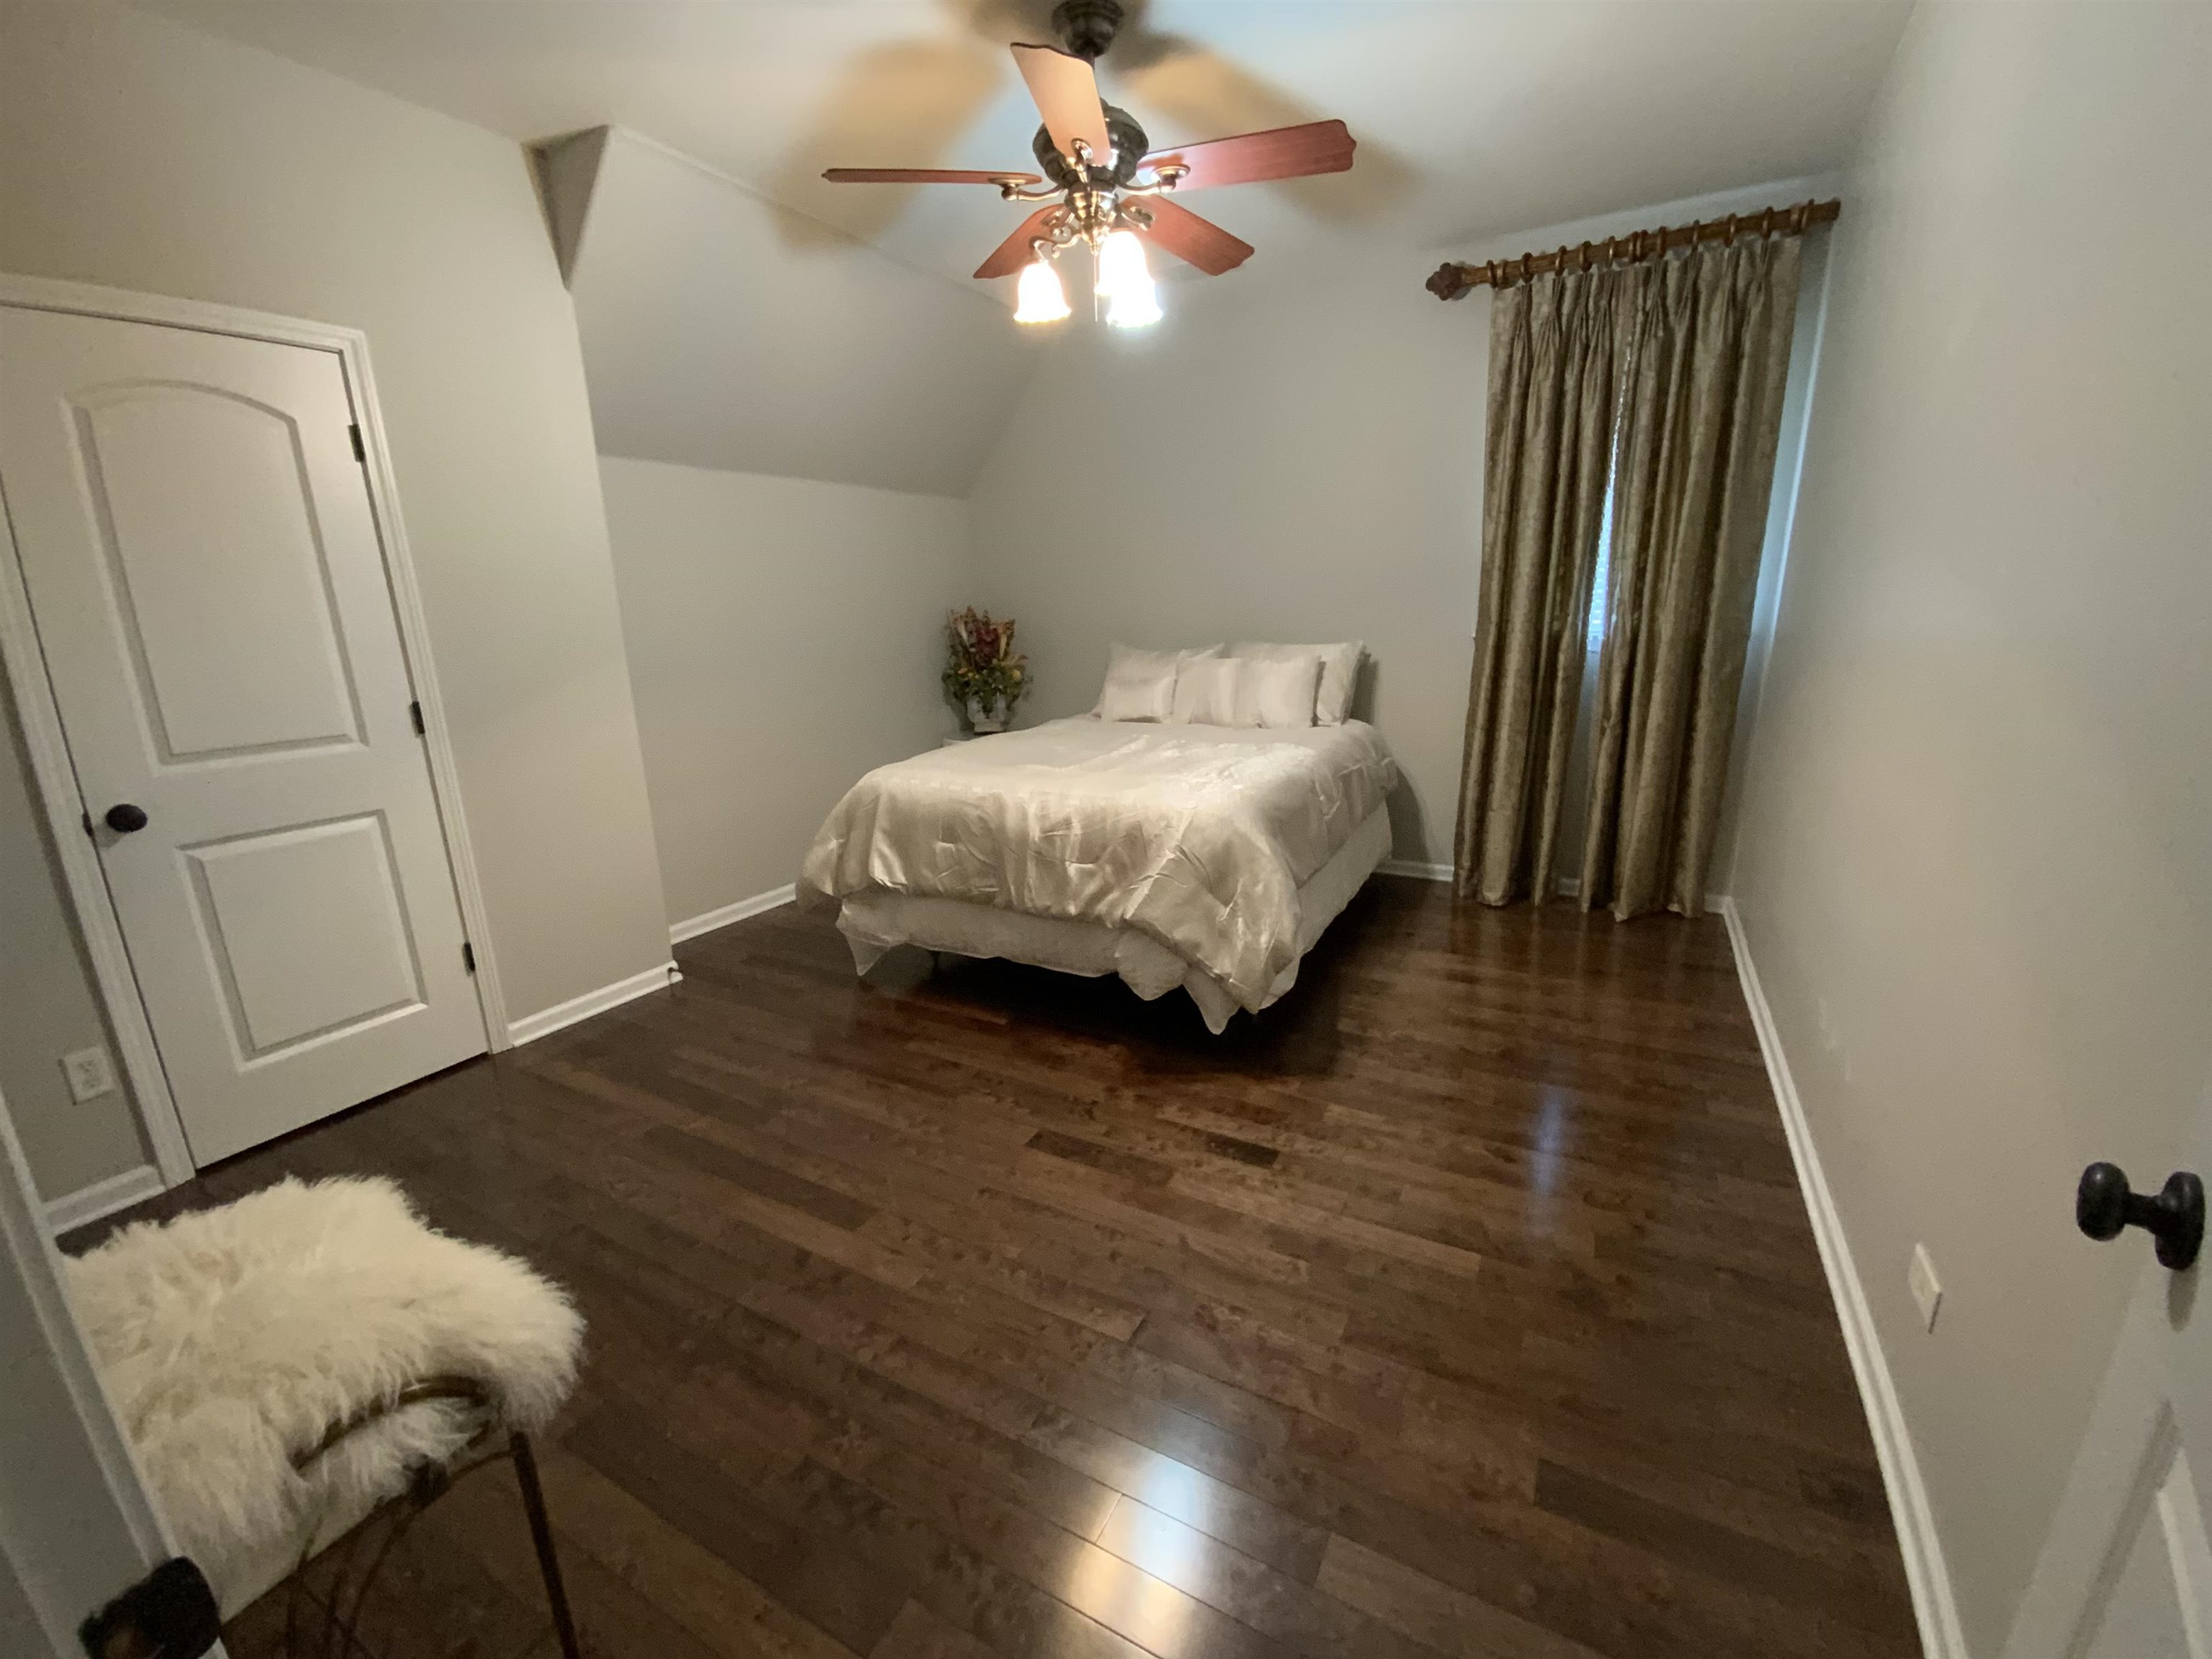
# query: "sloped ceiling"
[[713, 337], [736, 311], [1474, 117]]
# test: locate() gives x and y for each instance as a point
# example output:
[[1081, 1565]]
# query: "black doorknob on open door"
[[2103, 1204], [126, 819]]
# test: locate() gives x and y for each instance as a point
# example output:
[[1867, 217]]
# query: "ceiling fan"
[[1106, 188]]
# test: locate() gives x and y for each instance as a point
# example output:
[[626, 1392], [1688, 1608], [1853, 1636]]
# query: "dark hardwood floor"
[[1464, 1304]]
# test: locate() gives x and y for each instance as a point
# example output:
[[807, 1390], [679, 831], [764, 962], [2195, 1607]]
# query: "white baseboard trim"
[[546, 1021], [680, 931], [104, 1198], [1933, 1604], [1414, 868]]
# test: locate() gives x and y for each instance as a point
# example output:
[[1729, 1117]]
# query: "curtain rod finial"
[[1449, 282]]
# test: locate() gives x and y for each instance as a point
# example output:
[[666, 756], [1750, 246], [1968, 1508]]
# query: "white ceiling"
[[1473, 118]]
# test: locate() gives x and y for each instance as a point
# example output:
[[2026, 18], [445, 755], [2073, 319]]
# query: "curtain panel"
[[1555, 345], [1707, 358]]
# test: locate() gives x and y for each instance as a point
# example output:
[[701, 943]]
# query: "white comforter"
[[1199, 835]]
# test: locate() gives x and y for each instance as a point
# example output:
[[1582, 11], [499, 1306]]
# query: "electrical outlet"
[[90, 1073], [1927, 1293]]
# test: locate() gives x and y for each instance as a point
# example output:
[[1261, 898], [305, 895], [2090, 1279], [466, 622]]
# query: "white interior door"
[[204, 572], [2126, 1572]]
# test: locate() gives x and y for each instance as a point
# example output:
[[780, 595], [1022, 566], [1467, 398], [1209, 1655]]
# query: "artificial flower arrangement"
[[984, 675]]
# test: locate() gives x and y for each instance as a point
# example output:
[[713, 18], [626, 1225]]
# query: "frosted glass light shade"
[[1121, 264], [1039, 298], [1137, 305]]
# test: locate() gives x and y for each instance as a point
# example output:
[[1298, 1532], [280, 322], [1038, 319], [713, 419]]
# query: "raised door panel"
[[280, 987], [222, 595]]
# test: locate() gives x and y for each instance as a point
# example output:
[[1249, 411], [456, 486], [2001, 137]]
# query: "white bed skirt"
[[874, 921]]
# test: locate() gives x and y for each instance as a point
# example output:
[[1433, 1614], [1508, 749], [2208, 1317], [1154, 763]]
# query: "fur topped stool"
[[292, 1363]]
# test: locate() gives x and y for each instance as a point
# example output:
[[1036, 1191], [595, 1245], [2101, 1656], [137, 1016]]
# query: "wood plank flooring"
[[1462, 1305]]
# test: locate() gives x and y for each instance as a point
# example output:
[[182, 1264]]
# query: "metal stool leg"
[[541, 1535]]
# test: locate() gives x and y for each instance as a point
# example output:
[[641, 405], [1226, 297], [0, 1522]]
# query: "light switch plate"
[[1927, 1293], [90, 1073]]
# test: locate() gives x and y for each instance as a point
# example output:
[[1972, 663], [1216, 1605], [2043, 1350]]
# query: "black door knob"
[[2103, 1204], [124, 818]]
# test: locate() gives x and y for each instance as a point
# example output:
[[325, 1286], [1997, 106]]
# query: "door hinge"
[[468, 956], [360, 449], [415, 713], [86, 819]]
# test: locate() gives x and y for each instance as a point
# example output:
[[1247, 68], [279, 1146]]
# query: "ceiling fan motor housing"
[[1130, 144], [1087, 28]]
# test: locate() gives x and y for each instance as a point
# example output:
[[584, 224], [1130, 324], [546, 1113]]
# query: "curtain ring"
[[1798, 214], [1728, 234]]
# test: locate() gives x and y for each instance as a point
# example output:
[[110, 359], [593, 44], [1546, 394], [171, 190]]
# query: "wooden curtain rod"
[[1451, 280]]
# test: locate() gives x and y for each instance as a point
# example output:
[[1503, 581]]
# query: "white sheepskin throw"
[[232, 1340]]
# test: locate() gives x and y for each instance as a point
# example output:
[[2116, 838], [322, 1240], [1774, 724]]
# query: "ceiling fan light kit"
[[1108, 188], [1125, 283], [1137, 307], [1120, 263], [1038, 297]]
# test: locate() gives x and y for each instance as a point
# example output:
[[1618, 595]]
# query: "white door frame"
[[56, 780], [76, 1523]]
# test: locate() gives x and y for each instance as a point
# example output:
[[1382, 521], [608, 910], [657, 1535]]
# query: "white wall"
[[48, 1005], [143, 154], [1300, 463], [785, 636], [721, 331], [1975, 860], [1283, 457]]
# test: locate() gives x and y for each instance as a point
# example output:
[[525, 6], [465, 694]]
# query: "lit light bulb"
[[1135, 305], [1039, 298], [1121, 263]]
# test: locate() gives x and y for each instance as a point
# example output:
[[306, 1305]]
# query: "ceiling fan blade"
[[913, 97], [1067, 93], [1195, 241], [1252, 157], [925, 176], [1011, 255]]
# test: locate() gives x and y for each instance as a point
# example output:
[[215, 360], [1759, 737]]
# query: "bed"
[[1206, 856]]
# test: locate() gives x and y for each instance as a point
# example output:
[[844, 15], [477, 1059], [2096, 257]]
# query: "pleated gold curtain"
[[1555, 344], [1706, 356]]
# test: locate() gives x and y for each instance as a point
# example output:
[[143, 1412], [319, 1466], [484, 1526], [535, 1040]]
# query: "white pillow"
[[1140, 685], [1277, 694], [1207, 691], [1339, 673]]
